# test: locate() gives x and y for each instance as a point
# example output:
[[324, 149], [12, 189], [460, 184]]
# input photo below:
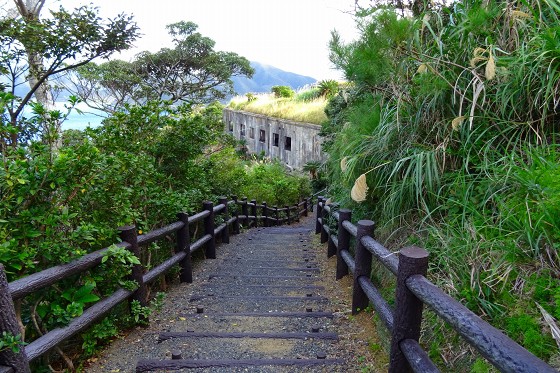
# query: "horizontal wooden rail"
[[494, 345], [163, 267], [43, 344], [37, 281], [197, 217], [218, 208], [159, 233], [381, 306], [389, 260], [131, 241], [414, 290], [351, 228], [219, 229], [349, 260], [200, 242]]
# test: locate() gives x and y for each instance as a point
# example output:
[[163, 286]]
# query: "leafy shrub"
[[308, 95], [143, 166], [282, 91], [270, 183], [327, 88]]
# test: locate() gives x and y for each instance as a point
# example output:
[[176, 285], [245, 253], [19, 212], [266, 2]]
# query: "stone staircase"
[[259, 307]]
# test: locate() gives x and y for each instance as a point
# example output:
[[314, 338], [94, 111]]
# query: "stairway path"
[[262, 306]]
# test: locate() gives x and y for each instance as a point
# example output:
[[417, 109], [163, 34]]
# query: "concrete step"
[[244, 348], [243, 365], [235, 323], [215, 289], [258, 304]]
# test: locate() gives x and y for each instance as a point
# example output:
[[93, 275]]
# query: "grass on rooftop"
[[312, 111]]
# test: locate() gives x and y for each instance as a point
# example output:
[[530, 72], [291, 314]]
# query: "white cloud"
[[288, 34]]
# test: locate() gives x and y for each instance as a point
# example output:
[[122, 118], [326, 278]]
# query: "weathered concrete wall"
[[293, 143]]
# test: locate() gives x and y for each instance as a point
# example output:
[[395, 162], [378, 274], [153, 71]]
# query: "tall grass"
[[299, 110], [454, 118]]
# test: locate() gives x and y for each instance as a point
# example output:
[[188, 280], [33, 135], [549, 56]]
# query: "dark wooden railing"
[[413, 290], [9, 292]]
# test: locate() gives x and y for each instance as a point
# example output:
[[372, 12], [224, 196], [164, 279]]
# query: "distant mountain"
[[263, 80], [266, 77]]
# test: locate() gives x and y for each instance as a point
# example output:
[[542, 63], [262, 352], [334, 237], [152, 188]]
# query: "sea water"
[[77, 121]]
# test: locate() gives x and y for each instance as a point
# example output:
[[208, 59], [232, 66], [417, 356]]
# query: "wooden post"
[[324, 226], [184, 244], [288, 217], [254, 212], [343, 243], [236, 222], [225, 214], [331, 247], [408, 308], [9, 324], [276, 215], [245, 211], [210, 251], [318, 225], [296, 209], [265, 214], [305, 211], [128, 234], [363, 266]]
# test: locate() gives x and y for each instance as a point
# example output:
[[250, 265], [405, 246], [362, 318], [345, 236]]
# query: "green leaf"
[[88, 298]]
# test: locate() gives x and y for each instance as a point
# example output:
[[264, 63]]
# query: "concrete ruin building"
[[293, 143]]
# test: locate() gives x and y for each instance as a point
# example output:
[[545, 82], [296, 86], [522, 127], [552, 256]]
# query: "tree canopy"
[[33, 49], [191, 72]]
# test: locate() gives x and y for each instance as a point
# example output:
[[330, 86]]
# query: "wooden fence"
[[245, 212], [413, 290]]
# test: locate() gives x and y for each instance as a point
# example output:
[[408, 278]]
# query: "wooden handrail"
[[413, 291], [19, 363]]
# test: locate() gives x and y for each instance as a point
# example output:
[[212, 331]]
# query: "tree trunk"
[[30, 10]]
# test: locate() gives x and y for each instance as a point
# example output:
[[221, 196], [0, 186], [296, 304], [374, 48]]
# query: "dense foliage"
[[145, 164], [34, 49], [191, 72], [63, 195], [452, 119]]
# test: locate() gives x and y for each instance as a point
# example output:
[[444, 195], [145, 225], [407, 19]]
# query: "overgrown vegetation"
[[145, 164], [306, 106], [63, 195], [449, 132]]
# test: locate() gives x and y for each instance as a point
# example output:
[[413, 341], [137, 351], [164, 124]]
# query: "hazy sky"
[[289, 34]]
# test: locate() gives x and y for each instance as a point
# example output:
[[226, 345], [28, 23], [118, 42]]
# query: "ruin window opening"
[[288, 143], [252, 132], [242, 132], [262, 136], [275, 139]]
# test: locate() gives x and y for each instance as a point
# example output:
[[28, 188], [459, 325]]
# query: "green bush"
[[282, 91], [328, 88], [142, 166], [308, 95], [270, 183]]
